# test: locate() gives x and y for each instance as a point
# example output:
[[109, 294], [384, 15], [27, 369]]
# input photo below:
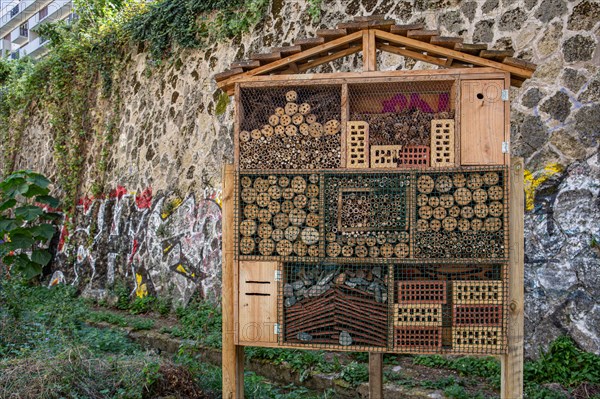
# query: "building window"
[[43, 13], [24, 30], [14, 11]]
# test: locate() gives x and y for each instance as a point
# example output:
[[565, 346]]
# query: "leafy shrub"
[[355, 373], [25, 228], [565, 364]]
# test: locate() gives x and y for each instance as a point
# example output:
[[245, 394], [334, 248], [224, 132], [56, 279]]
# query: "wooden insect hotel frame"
[[375, 211]]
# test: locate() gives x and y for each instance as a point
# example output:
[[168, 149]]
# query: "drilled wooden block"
[[442, 142], [426, 315], [477, 292], [477, 315], [385, 156], [414, 156], [420, 292], [483, 339], [357, 144], [417, 338]]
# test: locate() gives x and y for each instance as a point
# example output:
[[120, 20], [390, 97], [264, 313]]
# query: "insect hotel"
[[374, 211]]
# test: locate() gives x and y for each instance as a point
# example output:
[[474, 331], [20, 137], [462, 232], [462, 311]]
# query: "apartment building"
[[18, 20]]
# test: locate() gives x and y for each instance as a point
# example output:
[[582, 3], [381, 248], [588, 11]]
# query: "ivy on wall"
[[84, 64]]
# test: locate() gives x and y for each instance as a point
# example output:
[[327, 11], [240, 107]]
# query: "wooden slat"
[[448, 53], [266, 58], [232, 355], [384, 24], [422, 35], [331, 34], [516, 82], [520, 63], [512, 362], [245, 65], [496, 55], [369, 51], [309, 43], [402, 30], [287, 50], [412, 54], [328, 58], [375, 375], [376, 17], [296, 57], [227, 74], [444, 41], [470, 48]]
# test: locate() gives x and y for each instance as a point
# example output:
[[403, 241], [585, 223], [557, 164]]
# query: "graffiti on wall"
[[161, 245]]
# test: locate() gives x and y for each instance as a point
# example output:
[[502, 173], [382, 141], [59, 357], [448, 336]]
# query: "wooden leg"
[[512, 362], [375, 375], [233, 356]]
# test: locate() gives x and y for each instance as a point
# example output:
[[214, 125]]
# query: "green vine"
[[85, 64]]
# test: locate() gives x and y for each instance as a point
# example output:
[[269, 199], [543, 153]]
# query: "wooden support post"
[[375, 375], [512, 362], [233, 356], [369, 51]]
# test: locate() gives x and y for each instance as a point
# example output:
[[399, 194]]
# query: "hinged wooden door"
[[257, 302], [482, 122]]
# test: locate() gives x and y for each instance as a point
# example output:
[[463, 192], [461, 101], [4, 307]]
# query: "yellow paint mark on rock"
[[534, 179], [142, 290], [181, 269], [172, 206]]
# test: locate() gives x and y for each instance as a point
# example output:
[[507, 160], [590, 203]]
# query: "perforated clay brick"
[[477, 292], [357, 144], [418, 315], [418, 338], [481, 315], [416, 156], [421, 292], [385, 156], [483, 339], [442, 142]]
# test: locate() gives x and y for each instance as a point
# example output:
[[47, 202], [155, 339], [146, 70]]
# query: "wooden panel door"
[[257, 302], [482, 123]]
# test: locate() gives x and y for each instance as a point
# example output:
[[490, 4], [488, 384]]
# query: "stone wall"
[[158, 228]]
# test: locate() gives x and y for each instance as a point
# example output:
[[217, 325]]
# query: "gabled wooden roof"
[[369, 34]]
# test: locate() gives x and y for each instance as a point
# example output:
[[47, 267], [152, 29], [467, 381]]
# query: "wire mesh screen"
[[290, 128], [367, 215], [400, 122], [462, 214], [330, 305], [383, 242], [279, 215], [448, 308]]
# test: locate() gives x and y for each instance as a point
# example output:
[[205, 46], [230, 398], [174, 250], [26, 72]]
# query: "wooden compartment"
[[257, 302], [482, 122]]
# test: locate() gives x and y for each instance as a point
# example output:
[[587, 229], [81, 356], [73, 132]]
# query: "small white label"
[[277, 275], [504, 95], [505, 147], [276, 329]]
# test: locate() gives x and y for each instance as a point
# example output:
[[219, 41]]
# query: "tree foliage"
[[25, 224]]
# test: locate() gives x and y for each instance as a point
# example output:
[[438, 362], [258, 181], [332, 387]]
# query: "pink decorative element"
[[392, 105], [144, 200], [399, 103], [444, 102]]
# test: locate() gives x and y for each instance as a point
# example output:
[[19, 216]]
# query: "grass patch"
[[136, 323]]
